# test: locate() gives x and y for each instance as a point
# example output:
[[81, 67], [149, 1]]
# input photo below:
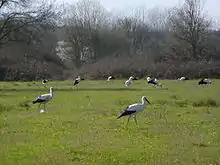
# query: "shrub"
[[205, 103]]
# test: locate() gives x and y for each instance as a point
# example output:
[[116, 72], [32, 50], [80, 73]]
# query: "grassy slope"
[[80, 127]]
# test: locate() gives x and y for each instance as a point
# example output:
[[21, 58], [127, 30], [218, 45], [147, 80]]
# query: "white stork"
[[204, 81], [133, 109], [44, 82], [154, 82], [43, 99], [183, 78], [129, 81], [76, 81]]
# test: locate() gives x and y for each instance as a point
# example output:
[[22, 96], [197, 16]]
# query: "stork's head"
[[148, 78], [144, 98], [78, 78], [131, 78]]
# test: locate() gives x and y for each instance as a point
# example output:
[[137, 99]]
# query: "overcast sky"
[[211, 6]]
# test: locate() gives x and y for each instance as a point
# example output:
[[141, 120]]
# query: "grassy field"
[[182, 126]]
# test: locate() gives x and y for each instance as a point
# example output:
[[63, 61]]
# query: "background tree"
[[23, 20], [87, 19], [25, 26], [190, 25], [41, 39]]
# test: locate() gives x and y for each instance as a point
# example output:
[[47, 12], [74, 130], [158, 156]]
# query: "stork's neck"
[[143, 101], [51, 92]]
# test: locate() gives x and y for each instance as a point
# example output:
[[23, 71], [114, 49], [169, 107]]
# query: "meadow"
[[181, 126]]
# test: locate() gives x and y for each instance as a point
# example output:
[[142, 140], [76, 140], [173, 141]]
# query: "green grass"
[[182, 126]]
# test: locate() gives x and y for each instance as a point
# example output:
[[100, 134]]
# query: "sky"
[[211, 7]]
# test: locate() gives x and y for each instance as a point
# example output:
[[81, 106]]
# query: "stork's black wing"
[[38, 101], [152, 82], [125, 113], [76, 82]]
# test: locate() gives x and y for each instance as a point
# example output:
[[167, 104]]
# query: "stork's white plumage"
[[43, 99], [41, 111], [129, 81], [133, 109], [182, 78], [148, 78], [109, 78]]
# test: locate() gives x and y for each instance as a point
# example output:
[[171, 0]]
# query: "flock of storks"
[[130, 110]]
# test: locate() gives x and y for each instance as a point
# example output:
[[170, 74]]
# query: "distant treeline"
[[163, 43]]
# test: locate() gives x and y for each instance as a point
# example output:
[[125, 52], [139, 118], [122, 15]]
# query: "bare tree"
[[23, 19], [157, 19], [86, 18], [26, 25], [136, 32], [190, 25]]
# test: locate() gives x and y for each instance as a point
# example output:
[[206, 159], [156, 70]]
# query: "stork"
[[204, 81], [43, 99], [133, 109], [183, 78], [129, 81], [76, 81], [154, 82], [44, 82]]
